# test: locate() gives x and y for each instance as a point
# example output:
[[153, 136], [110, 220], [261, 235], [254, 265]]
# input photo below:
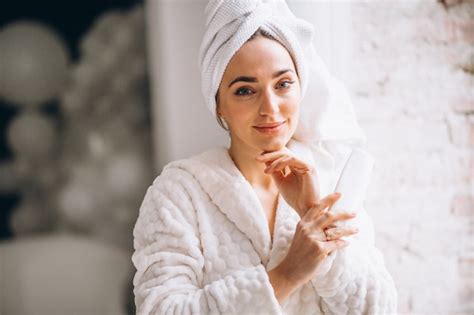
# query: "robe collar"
[[235, 197]]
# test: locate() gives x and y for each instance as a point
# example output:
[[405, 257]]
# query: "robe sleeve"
[[354, 280], [169, 262]]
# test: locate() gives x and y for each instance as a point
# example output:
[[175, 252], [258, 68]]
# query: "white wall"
[[414, 93], [183, 126]]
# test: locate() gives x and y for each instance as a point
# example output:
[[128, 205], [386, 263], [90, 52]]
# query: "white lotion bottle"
[[352, 184]]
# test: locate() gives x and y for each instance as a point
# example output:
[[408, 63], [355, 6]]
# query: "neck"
[[252, 170]]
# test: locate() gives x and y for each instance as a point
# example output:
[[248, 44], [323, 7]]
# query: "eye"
[[285, 84], [243, 91]]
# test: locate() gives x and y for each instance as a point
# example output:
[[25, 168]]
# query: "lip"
[[270, 125], [270, 129]]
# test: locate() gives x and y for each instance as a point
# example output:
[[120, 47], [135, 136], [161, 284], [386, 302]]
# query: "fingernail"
[[337, 194]]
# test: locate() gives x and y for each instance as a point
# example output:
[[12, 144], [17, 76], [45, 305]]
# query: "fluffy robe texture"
[[203, 246]]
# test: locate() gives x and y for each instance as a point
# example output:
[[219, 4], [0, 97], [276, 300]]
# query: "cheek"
[[241, 116], [296, 102], [292, 109]]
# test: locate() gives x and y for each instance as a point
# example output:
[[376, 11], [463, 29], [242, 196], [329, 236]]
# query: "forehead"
[[260, 56]]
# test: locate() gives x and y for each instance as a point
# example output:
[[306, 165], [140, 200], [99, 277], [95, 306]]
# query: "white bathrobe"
[[203, 246]]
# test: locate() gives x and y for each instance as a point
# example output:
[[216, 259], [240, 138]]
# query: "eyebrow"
[[252, 79]]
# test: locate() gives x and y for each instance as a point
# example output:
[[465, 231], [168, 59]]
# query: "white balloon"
[[81, 199], [117, 136], [126, 175], [90, 45], [76, 205], [32, 135], [107, 22], [33, 63], [123, 36], [98, 147], [98, 38], [84, 74], [10, 178], [107, 60]]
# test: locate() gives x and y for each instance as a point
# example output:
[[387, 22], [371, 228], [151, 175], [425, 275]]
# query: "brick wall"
[[412, 82]]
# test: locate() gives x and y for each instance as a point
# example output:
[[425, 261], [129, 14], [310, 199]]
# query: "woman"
[[244, 230]]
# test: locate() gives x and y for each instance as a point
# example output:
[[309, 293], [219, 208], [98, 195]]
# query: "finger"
[[324, 203], [295, 165], [282, 163], [270, 156], [328, 218], [302, 170], [290, 160], [284, 166], [274, 165], [336, 233], [278, 177], [331, 246], [318, 235], [331, 226]]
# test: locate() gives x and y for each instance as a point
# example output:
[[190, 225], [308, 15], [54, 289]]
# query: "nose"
[[269, 103]]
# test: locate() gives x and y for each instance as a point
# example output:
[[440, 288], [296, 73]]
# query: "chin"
[[273, 145]]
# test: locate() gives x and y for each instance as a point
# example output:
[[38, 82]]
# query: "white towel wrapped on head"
[[230, 24]]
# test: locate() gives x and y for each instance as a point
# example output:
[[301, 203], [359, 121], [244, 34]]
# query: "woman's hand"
[[299, 187], [310, 245]]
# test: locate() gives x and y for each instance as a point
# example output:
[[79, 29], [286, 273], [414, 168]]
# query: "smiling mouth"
[[270, 126], [271, 129]]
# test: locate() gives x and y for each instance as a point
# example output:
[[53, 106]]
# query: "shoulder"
[[170, 200], [179, 177]]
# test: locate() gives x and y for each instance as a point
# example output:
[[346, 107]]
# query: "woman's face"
[[259, 90]]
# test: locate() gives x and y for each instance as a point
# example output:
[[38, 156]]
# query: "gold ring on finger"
[[328, 236]]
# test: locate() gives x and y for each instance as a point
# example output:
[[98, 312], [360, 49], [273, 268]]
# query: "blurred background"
[[97, 96]]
